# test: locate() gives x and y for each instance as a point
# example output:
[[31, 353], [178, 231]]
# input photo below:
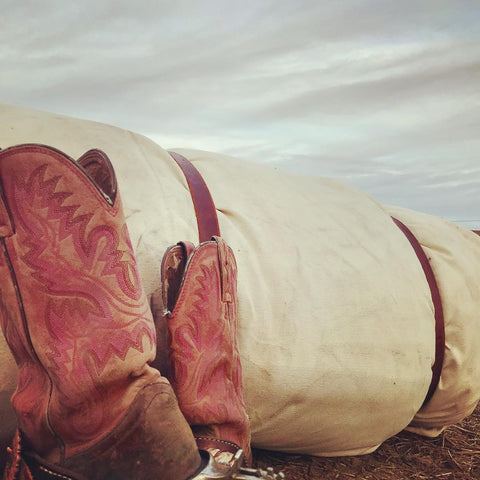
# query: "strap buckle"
[[223, 462]]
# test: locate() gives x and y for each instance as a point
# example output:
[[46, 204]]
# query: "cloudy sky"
[[382, 94]]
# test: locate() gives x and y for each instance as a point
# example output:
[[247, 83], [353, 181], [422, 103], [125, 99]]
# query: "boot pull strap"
[[172, 271], [207, 220], [98, 167], [226, 268]]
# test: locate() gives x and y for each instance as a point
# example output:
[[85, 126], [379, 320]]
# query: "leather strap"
[[437, 304], [212, 443], [207, 220]]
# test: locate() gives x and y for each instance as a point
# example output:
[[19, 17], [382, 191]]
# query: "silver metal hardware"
[[226, 466]]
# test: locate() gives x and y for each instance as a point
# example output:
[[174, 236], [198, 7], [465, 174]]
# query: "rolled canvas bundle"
[[336, 326]]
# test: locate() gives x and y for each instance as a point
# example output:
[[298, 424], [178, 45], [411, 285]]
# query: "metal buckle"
[[224, 465]]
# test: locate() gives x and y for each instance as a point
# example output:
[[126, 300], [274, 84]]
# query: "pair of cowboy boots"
[[89, 404]]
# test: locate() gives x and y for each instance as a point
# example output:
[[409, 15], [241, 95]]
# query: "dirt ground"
[[454, 455]]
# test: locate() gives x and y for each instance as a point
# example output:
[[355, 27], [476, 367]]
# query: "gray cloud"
[[381, 94]]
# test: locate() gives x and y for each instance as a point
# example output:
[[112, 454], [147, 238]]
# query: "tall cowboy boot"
[[200, 299], [73, 312]]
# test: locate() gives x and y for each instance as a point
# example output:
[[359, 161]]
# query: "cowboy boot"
[[200, 300], [73, 312]]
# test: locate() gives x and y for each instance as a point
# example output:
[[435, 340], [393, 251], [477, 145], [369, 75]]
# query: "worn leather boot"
[[200, 299], [73, 312]]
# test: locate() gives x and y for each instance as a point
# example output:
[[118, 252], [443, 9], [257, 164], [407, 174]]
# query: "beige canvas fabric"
[[336, 326], [454, 255]]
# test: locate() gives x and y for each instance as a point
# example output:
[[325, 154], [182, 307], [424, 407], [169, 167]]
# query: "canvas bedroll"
[[336, 321]]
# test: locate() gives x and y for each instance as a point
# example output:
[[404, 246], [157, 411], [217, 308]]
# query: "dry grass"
[[454, 455]]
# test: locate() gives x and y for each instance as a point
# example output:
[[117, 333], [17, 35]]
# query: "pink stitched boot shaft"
[[77, 321], [200, 293]]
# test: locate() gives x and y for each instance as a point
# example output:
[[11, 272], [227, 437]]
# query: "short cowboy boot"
[[200, 298], [73, 312]]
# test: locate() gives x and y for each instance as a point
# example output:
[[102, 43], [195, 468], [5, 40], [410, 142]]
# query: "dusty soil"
[[454, 455]]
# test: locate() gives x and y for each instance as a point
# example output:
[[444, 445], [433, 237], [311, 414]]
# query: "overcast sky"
[[382, 94]]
